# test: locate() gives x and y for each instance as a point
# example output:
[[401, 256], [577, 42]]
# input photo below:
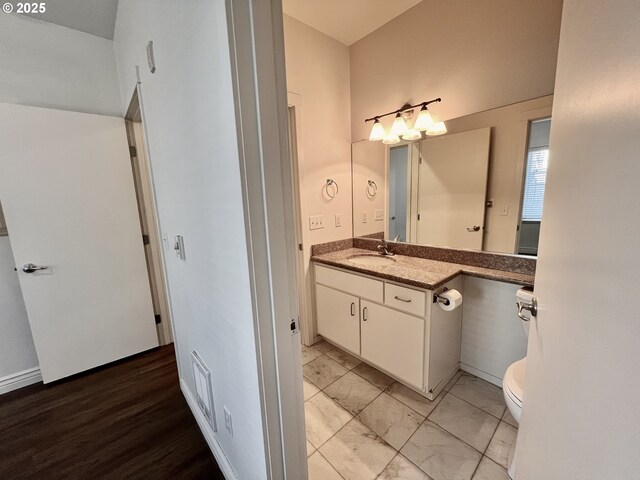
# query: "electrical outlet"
[[338, 220], [316, 222], [379, 215], [228, 421], [364, 217], [504, 211]]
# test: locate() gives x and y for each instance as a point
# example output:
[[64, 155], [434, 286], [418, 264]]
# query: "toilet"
[[513, 381]]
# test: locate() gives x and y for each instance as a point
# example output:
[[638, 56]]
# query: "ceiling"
[[346, 20], [97, 17]]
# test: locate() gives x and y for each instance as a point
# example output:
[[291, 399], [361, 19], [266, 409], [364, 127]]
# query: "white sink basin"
[[378, 260]]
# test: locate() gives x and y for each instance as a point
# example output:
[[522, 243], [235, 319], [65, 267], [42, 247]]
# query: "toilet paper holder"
[[438, 299]]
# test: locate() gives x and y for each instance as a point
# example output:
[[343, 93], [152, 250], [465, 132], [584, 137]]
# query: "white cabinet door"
[[339, 318], [393, 341]]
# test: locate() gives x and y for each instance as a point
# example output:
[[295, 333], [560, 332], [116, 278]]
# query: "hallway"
[[126, 420]]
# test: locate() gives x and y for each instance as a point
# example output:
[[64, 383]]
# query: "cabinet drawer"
[[407, 299], [362, 287]]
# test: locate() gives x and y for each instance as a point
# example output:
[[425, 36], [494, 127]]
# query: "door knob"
[[475, 228], [30, 267]]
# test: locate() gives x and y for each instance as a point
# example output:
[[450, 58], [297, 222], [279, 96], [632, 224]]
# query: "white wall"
[[318, 77], [475, 55], [189, 111], [580, 414], [318, 71], [492, 336], [17, 352], [45, 65]]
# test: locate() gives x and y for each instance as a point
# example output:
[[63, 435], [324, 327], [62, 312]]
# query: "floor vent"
[[204, 392]]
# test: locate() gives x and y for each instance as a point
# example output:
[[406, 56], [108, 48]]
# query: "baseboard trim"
[[480, 374], [20, 379], [205, 428]]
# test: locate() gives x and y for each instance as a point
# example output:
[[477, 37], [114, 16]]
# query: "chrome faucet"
[[384, 247]]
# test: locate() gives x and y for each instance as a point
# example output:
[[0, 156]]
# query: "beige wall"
[[476, 55], [318, 82], [369, 163], [580, 414]]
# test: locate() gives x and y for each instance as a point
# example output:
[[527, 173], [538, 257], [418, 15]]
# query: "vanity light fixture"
[[377, 132], [437, 128], [424, 120], [391, 139], [412, 134], [423, 123], [399, 126]]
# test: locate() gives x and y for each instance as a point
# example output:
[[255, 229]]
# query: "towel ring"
[[330, 193], [372, 188]]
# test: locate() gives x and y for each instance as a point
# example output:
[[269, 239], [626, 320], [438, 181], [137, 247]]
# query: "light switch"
[[364, 217], [504, 211], [316, 222], [338, 220], [178, 246]]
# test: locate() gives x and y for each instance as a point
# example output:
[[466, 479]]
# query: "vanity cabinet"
[[396, 328]]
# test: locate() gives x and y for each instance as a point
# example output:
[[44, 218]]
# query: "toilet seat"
[[513, 383]]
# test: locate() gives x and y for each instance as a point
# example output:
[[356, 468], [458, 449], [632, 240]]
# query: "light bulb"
[[412, 134], [399, 126], [377, 131], [391, 139], [424, 120], [437, 128]]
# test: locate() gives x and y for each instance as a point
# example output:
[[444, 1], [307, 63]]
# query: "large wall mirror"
[[479, 187]]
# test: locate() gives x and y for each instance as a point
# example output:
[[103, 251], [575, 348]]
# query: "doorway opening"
[[145, 200]]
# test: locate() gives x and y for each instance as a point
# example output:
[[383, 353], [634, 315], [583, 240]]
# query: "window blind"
[[535, 180]]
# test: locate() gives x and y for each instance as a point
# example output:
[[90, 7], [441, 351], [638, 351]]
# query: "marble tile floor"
[[363, 425]]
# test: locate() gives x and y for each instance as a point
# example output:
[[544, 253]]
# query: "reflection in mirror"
[[534, 183], [479, 187], [399, 187]]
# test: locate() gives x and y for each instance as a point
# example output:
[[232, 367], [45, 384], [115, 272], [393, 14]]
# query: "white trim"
[[480, 374], [256, 38], [209, 436], [20, 380]]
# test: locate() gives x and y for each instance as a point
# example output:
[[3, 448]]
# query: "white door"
[[68, 196], [452, 189]]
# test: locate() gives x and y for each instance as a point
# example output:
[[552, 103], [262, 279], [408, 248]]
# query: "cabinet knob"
[[364, 314], [353, 309]]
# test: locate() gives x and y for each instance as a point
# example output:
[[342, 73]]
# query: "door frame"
[[303, 253], [256, 43], [134, 119]]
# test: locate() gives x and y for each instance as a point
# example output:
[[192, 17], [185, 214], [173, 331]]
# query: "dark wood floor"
[[128, 420]]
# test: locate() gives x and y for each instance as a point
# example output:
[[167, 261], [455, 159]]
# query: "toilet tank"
[[525, 294]]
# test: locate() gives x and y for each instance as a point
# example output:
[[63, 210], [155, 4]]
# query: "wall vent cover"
[[204, 392]]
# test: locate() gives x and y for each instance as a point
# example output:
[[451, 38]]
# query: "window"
[[535, 180]]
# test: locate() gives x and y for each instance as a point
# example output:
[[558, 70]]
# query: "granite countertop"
[[419, 272]]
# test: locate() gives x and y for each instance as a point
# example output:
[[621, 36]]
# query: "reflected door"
[[452, 176], [398, 192], [69, 201]]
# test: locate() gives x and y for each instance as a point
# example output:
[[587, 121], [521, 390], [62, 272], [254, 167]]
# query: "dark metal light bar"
[[400, 110]]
